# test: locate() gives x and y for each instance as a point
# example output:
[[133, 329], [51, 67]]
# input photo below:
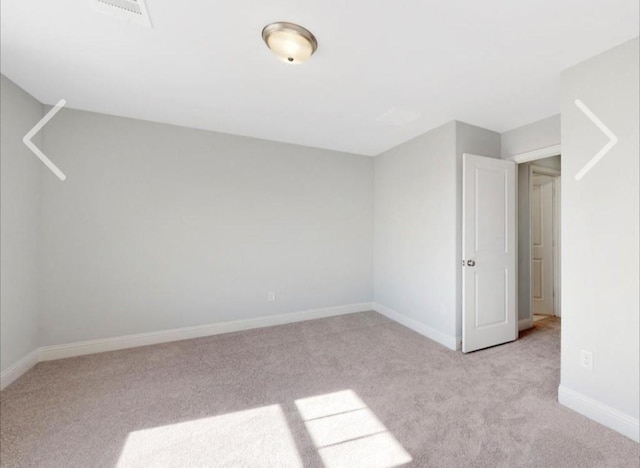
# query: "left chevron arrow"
[[41, 156]]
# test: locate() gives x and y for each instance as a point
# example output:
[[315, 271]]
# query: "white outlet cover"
[[586, 359]]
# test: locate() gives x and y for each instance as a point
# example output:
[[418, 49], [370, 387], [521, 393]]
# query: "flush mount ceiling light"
[[290, 42]]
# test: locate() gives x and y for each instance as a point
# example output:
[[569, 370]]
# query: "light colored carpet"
[[356, 390]]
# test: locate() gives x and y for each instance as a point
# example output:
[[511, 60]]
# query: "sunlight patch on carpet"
[[348, 434], [254, 437]]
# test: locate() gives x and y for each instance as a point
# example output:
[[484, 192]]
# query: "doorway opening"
[[539, 192], [510, 246]]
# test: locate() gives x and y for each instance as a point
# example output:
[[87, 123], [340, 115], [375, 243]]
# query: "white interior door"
[[489, 314], [542, 234]]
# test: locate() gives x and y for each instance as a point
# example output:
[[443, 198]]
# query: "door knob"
[[471, 263]]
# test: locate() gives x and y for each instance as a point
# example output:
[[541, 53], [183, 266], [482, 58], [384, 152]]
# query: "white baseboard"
[[49, 353], [18, 369], [525, 324], [599, 412], [451, 342]]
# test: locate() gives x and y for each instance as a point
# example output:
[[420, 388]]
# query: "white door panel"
[[542, 245], [488, 248]]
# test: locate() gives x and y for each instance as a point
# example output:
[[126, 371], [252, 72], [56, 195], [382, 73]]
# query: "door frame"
[[519, 158], [556, 174]]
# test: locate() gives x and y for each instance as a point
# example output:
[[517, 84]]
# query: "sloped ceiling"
[[385, 71]]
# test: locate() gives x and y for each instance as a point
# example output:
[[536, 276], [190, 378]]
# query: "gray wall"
[[415, 229], [158, 227], [418, 221], [600, 240], [524, 233], [19, 224], [481, 142], [533, 136]]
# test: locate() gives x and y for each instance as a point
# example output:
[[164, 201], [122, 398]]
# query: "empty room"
[[360, 234]]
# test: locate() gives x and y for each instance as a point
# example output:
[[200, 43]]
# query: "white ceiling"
[[385, 71]]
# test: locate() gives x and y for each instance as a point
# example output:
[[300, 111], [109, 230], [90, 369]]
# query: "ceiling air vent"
[[133, 11]]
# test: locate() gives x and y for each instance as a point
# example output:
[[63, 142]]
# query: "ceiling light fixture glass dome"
[[292, 43]]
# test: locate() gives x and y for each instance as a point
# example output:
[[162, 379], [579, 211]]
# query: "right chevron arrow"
[[613, 139]]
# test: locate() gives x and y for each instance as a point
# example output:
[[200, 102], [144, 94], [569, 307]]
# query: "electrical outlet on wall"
[[586, 359], [271, 296]]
